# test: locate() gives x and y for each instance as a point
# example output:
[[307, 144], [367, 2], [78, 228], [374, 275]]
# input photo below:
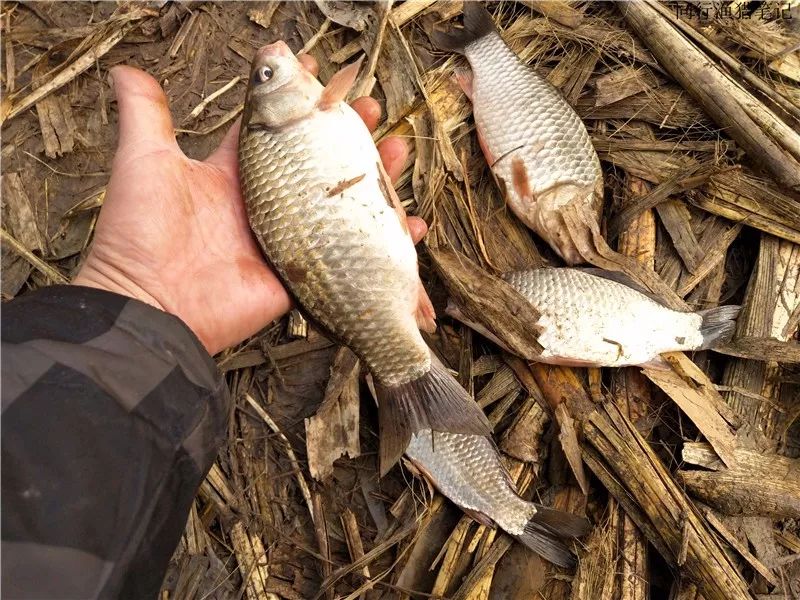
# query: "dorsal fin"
[[339, 85]]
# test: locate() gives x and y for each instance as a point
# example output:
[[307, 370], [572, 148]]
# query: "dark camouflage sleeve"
[[112, 413]]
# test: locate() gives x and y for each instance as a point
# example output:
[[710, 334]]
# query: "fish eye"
[[263, 74]]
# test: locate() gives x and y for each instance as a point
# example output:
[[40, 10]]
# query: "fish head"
[[280, 91]]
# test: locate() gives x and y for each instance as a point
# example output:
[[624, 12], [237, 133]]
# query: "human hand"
[[173, 231]]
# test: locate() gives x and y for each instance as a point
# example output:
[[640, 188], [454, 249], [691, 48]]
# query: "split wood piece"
[[501, 384], [522, 438], [679, 182], [665, 106], [637, 238], [715, 240], [768, 349], [333, 431], [760, 484], [622, 83], [557, 10], [635, 476], [366, 79], [740, 548], [766, 138], [56, 120], [692, 390], [632, 394], [568, 437], [488, 302], [771, 309], [450, 555], [567, 397], [323, 541], [398, 16], [741, 197], [634, 583], [420, 555], [297, 328], [677, 221], [252, 560]]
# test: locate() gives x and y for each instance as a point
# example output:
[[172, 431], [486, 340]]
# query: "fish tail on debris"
[[477, 23], [718, 325], [545, 532], [435, 401]]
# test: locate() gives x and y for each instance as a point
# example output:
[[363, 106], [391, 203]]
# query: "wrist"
[[96, 274]]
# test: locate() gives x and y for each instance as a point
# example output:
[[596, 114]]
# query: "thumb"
[[144, 120]]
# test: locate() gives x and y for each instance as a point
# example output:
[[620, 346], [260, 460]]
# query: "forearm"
[[112, 414]]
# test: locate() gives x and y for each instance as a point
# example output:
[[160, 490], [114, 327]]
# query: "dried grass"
[[690, 194]]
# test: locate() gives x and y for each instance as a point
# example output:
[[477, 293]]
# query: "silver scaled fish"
[[536, 145], [591, 317], [467, 469]]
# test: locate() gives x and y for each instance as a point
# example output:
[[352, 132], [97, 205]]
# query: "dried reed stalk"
[[634, 475]]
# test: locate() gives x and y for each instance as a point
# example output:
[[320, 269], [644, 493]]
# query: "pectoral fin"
[[339, 85]]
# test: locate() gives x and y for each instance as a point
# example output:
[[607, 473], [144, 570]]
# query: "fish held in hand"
[[591, 317], [535, 143], [329, 222], [467, 469]]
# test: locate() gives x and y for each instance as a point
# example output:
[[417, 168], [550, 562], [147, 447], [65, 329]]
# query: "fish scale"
[[468, 470], [286, 175], [597, 320], [556, 147]]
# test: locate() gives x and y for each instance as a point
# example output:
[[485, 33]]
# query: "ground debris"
[[696, 128]]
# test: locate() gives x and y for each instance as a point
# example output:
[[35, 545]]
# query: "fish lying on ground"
[[590, 318], [467, 469], [330, 224], [536, 145]]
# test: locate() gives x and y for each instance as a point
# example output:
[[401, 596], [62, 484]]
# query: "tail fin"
[[545, 532], [477, 23], [435, 401], [718, 325]]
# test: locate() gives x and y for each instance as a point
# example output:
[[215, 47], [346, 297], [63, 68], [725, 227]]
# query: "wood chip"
[[759, 484], [696, 396], [333, 431]]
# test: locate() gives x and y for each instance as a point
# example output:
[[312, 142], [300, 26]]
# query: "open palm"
[[173, 231]]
